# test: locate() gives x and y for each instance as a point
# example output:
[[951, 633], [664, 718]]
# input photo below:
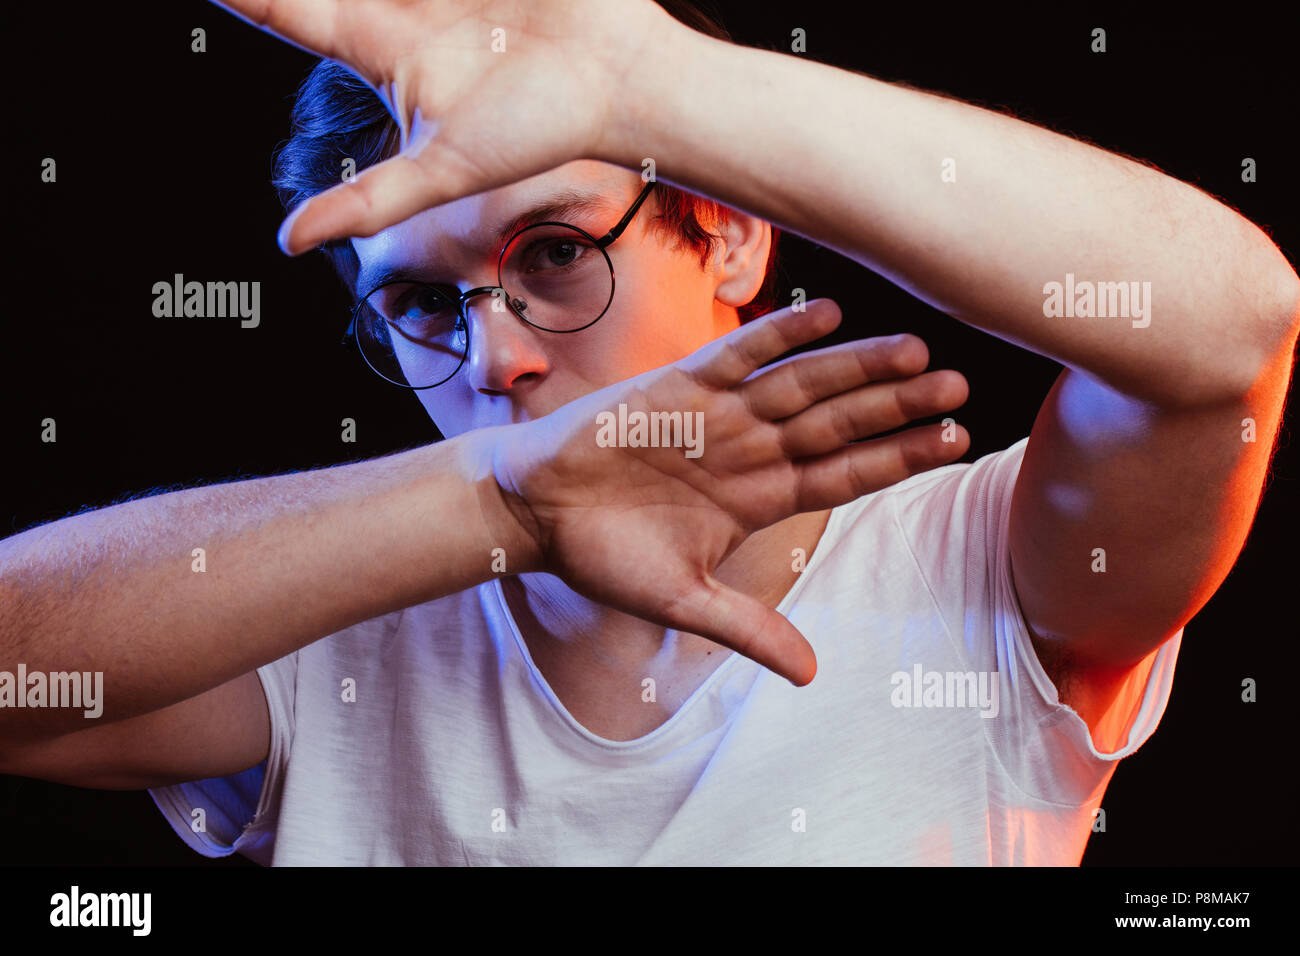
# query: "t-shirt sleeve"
[[239, 812], [957, 527]]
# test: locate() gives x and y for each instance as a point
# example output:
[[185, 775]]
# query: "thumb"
[[747, 626], [379, 196]]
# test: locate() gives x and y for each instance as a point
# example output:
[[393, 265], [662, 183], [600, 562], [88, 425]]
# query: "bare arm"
[[1154, 445], [288, 560], [291, 559], [220, 732], [1140, 451], [970, 210]]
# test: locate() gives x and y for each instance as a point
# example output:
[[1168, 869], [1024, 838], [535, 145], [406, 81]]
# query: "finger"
[[850, 473], [852, 416], [309, 24], [747, 626], [381, 195], [803, 380], [730, 360]]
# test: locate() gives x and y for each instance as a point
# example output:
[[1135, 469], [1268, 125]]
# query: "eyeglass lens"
[[555, 278]]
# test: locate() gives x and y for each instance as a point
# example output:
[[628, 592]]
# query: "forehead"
[[472, 229]]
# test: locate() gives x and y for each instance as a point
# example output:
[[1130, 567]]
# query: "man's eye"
[[425, 312], [562, 253], [419, 303], [556, 253], [428, 302]]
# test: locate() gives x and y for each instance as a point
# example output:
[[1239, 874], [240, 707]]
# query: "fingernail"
[[282, 237]]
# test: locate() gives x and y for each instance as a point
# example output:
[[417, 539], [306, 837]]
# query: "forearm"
[[286, 561], [858, 165]]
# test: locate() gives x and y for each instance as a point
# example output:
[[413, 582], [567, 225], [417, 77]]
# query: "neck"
[[567, 633]]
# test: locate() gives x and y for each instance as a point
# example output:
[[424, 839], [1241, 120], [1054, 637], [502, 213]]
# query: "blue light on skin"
[[665, 305]]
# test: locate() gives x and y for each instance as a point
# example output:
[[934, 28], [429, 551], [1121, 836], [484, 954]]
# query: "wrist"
[[508, 537], [649, 69]]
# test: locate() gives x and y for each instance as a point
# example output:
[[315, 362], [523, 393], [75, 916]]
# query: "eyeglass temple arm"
[[627, 216]]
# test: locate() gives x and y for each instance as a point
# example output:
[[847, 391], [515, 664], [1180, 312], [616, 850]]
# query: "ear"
[[740, 264]]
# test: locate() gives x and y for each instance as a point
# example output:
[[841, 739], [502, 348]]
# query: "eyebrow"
[[560, 206]]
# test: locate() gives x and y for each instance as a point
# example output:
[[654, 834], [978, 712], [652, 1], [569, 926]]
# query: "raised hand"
[[641, 529], [485, 93]]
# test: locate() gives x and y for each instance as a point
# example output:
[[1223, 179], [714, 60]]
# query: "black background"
[[164, 158]]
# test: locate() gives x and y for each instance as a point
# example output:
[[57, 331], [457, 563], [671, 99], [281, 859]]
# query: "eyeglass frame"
[[603, 243]]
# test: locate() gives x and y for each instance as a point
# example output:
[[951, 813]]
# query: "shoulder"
[[958, 510]]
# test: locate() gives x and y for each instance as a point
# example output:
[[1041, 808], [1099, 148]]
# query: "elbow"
[[1279, 299], [1276, 312], [1286, 306]]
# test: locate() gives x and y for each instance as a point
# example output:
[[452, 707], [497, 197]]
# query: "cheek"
[[661, 316], [451, 408]]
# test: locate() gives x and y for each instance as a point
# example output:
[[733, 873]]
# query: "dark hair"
[[336, 116]]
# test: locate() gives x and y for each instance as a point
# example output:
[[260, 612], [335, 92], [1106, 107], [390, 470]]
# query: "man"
[[508, 647]]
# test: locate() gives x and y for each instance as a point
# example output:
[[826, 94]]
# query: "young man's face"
[[665, 305]]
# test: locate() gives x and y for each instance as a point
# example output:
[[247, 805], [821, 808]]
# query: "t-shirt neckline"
[[830, 534]]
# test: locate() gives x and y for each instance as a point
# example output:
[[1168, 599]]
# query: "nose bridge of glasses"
[[499, 300], [465, 297]]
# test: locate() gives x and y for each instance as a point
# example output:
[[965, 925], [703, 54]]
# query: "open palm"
[[642, 529], [485, 92]]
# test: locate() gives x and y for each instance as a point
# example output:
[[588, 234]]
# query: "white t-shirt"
[[456, 751]]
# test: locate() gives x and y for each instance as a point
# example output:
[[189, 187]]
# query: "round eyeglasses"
[[552, 275]]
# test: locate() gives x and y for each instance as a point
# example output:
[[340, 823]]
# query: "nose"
[[503, 351]]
